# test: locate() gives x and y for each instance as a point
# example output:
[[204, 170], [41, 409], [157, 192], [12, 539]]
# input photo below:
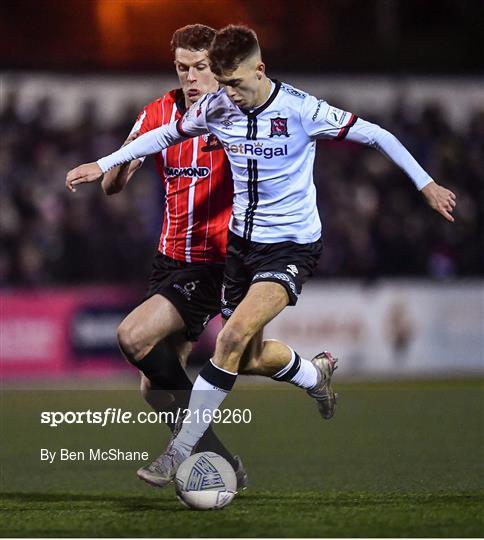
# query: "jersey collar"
[[272, 97]]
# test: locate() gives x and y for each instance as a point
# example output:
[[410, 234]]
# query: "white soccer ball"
[[205, 481]]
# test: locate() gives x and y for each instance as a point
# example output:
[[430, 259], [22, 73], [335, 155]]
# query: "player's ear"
[[260, 70]]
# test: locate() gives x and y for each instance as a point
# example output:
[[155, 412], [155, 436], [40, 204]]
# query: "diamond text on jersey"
[[190, 172]]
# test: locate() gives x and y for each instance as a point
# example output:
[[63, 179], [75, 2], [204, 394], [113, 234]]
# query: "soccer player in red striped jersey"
[[185, 283]]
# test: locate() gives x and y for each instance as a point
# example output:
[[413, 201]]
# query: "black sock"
[[162, 367], [211, 443]]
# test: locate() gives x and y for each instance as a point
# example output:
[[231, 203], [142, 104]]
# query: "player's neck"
[[264, 91]]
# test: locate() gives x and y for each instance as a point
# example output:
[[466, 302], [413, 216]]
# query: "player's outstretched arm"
[[151, 142], [192, 124], [441, 199], [322, 121]]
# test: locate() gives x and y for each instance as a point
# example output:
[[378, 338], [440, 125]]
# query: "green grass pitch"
[[397, 460]]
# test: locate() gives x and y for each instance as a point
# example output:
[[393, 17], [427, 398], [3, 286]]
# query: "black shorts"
[[287, 263], [193, 288]]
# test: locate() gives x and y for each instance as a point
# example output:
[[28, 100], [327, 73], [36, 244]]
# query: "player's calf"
[[160, 400], [265, 358]]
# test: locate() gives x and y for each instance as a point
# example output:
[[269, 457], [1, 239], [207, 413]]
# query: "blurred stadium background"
[[398, 295], [398, 290]]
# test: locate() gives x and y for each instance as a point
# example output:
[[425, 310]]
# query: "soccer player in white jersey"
[[269, 132]]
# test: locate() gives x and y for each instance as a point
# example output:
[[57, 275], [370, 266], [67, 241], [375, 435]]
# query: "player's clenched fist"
[[440, 199], [89, 172]]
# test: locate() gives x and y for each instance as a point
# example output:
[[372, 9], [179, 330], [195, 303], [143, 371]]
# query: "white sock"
[[209, 390], [299, 372]]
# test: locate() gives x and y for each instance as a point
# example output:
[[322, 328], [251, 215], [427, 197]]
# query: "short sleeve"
[[322, 121], [194, 122], [142, 123]]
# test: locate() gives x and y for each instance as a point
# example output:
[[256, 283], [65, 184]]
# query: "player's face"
[[243, 85], [194, 74]]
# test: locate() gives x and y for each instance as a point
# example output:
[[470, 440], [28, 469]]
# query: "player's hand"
[[132, 137], [439, 198], [89, 172]]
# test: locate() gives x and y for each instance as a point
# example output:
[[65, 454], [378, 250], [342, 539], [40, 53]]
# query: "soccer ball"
[[205, 481]]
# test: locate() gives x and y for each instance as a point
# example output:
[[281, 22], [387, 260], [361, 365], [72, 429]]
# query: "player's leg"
[[264, 357], [280, 362], [164, 383], [175, 304], [252, 297], [194, 294], [290, 265], [142, 337], [162, 401], [273, 358], [156, 395], [163, 395], [278, 273], [261, 304], [254, 293]]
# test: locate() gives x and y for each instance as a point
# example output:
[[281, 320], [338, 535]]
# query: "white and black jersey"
[[271, 157], [271, 151]]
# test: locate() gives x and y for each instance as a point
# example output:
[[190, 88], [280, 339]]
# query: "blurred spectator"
[[375, 222]]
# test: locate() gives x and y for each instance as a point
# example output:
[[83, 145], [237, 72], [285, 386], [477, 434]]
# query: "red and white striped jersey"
[[198, 188]]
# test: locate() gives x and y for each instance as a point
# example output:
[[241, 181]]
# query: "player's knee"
[[129, 341], [233, 338]]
